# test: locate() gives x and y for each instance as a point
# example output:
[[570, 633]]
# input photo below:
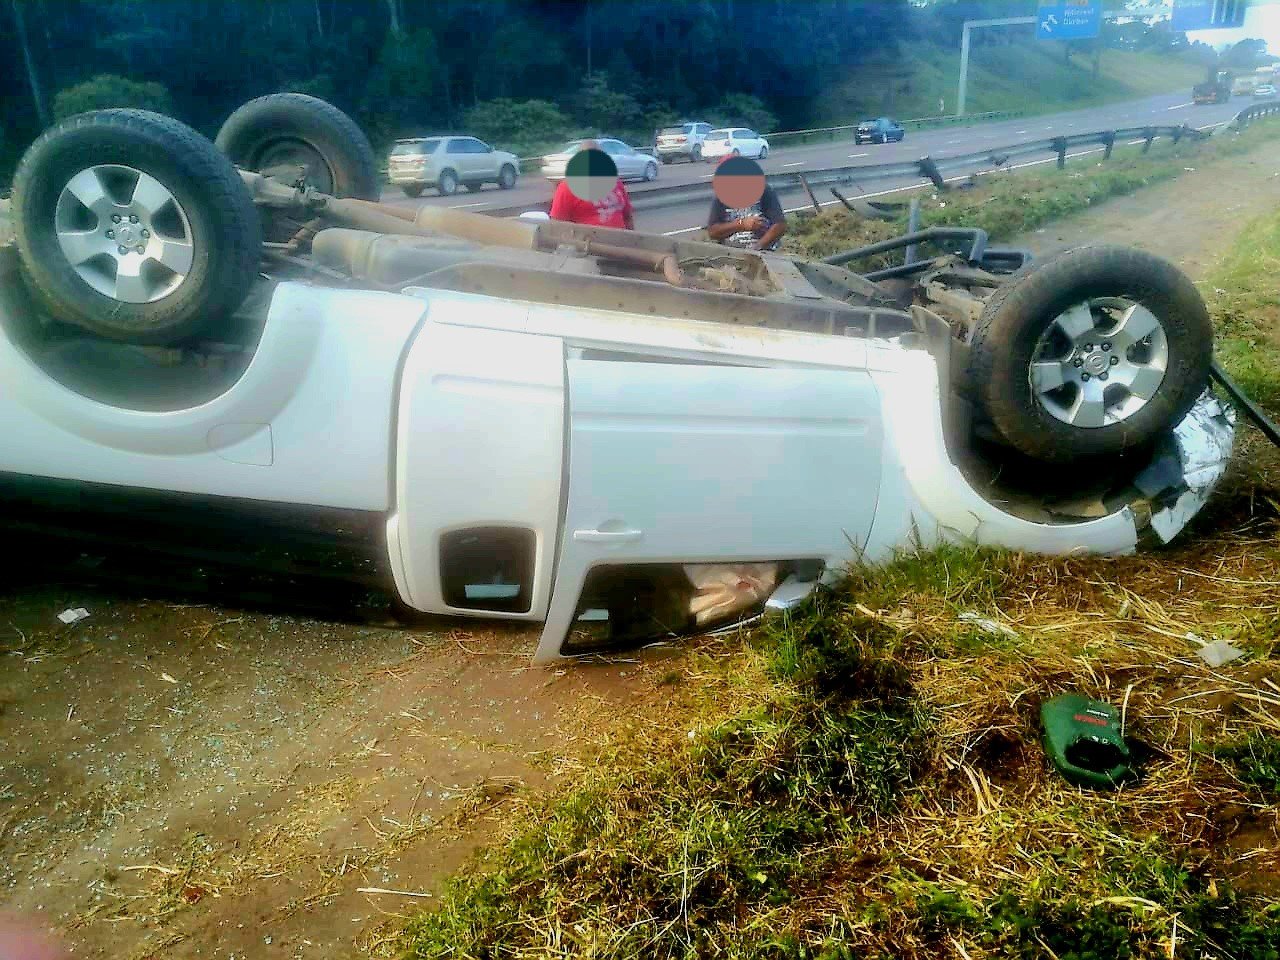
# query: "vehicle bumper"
[[406, 177], [925, 499]]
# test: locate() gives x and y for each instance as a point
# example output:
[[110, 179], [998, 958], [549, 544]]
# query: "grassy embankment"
[[866, 780]]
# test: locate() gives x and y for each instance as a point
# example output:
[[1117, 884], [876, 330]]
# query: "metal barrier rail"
[[926, 168], [918, 123], [528, 164], [1267, 108]]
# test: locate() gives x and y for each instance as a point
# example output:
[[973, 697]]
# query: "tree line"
[[520, 72]]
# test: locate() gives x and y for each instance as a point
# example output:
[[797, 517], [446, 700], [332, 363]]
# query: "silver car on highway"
[[631, 163], [449, 162]]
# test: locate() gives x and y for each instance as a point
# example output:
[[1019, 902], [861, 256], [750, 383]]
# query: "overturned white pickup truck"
[[624, 435]]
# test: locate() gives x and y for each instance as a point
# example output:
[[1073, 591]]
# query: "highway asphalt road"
[[1173, 108]]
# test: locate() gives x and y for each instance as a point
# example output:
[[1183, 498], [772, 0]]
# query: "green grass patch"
[[1244, 295], [728, 827], [1256, 761]]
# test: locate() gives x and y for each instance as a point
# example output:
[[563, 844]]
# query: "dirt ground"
[[185, 780], [191, 780], [1188, 220]]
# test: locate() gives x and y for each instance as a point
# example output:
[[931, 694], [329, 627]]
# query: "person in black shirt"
[[745, 212]]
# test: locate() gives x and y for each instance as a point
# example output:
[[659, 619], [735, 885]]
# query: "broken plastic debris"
[[987, 625], [1219, 652], [73, 615]]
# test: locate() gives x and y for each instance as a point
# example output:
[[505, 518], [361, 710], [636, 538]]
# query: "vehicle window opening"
[[488, 568], [628, 606]]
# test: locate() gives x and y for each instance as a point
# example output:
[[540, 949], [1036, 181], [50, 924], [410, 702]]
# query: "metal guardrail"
[[1267, 108], [529, 164], [926, 168], [918, 123]]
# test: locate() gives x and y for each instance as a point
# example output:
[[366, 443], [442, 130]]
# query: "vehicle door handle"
[[607, 536]]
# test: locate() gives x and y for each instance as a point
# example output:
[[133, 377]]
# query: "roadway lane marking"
[[1022, 131], [796, 164], [463, 206], [855, 156], [1181, 105]]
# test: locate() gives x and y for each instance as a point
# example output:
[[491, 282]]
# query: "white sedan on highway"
[[632, 164], [735, 142]]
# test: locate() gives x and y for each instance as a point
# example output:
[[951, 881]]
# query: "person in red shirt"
[[614, 210]]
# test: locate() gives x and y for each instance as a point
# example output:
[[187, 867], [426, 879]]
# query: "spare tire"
[[133, 226], [283, 132], [1091, 353]]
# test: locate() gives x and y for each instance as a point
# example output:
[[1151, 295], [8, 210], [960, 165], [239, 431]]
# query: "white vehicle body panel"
[[926, 499], [309, 421], [480, 437], [693, 463]]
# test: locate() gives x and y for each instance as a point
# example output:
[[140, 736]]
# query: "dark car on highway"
[[880, 130]]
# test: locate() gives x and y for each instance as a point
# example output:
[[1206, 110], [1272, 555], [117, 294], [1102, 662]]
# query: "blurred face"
[[591, 173], [738, 182]]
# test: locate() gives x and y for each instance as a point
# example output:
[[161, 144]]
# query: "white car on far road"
[[735, 141]]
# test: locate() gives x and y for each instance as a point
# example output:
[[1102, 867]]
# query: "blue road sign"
[[1208, 14], [1069, 19]]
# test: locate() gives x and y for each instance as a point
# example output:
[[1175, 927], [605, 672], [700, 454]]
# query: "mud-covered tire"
[[1018, 317], [288, 129], [412, 190], [209, 219]]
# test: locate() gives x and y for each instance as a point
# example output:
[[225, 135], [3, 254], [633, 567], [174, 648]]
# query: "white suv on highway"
[[682, 141], [446, 162]]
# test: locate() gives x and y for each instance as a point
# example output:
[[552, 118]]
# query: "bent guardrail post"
[[977, 244], [1149, 134], [929, 169], [1060, 147], [913, 226], [817, 207], [1108, 143], [840, 196]]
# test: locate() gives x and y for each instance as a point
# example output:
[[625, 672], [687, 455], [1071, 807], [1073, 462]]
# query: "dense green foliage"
[[107, 90], [518, 71]]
